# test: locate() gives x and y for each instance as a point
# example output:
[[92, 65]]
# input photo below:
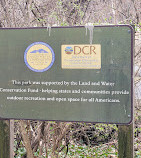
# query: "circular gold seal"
[[39, 57]]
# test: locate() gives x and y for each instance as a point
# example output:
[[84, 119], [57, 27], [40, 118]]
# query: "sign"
[[68, 74]]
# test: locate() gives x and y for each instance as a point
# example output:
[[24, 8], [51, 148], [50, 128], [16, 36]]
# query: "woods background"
[[63, 139]]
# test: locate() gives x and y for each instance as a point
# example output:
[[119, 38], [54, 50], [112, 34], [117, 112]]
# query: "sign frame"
[[131, 31]]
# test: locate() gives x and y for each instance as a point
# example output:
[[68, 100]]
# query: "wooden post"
[[11, 138], [4, 139], [125, 141], [126, 132]]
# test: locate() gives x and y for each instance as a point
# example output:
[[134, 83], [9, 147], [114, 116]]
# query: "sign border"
[[132, 31]]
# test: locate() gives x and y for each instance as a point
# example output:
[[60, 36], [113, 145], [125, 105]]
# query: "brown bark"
[[26, 139]]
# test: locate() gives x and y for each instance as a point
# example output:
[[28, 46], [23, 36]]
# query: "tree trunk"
[[26, 140]]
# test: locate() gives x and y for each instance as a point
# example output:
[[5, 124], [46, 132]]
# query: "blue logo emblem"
[[39, 57], [68, 50]]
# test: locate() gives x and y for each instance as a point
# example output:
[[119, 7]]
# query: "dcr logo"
[[81, 49]]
